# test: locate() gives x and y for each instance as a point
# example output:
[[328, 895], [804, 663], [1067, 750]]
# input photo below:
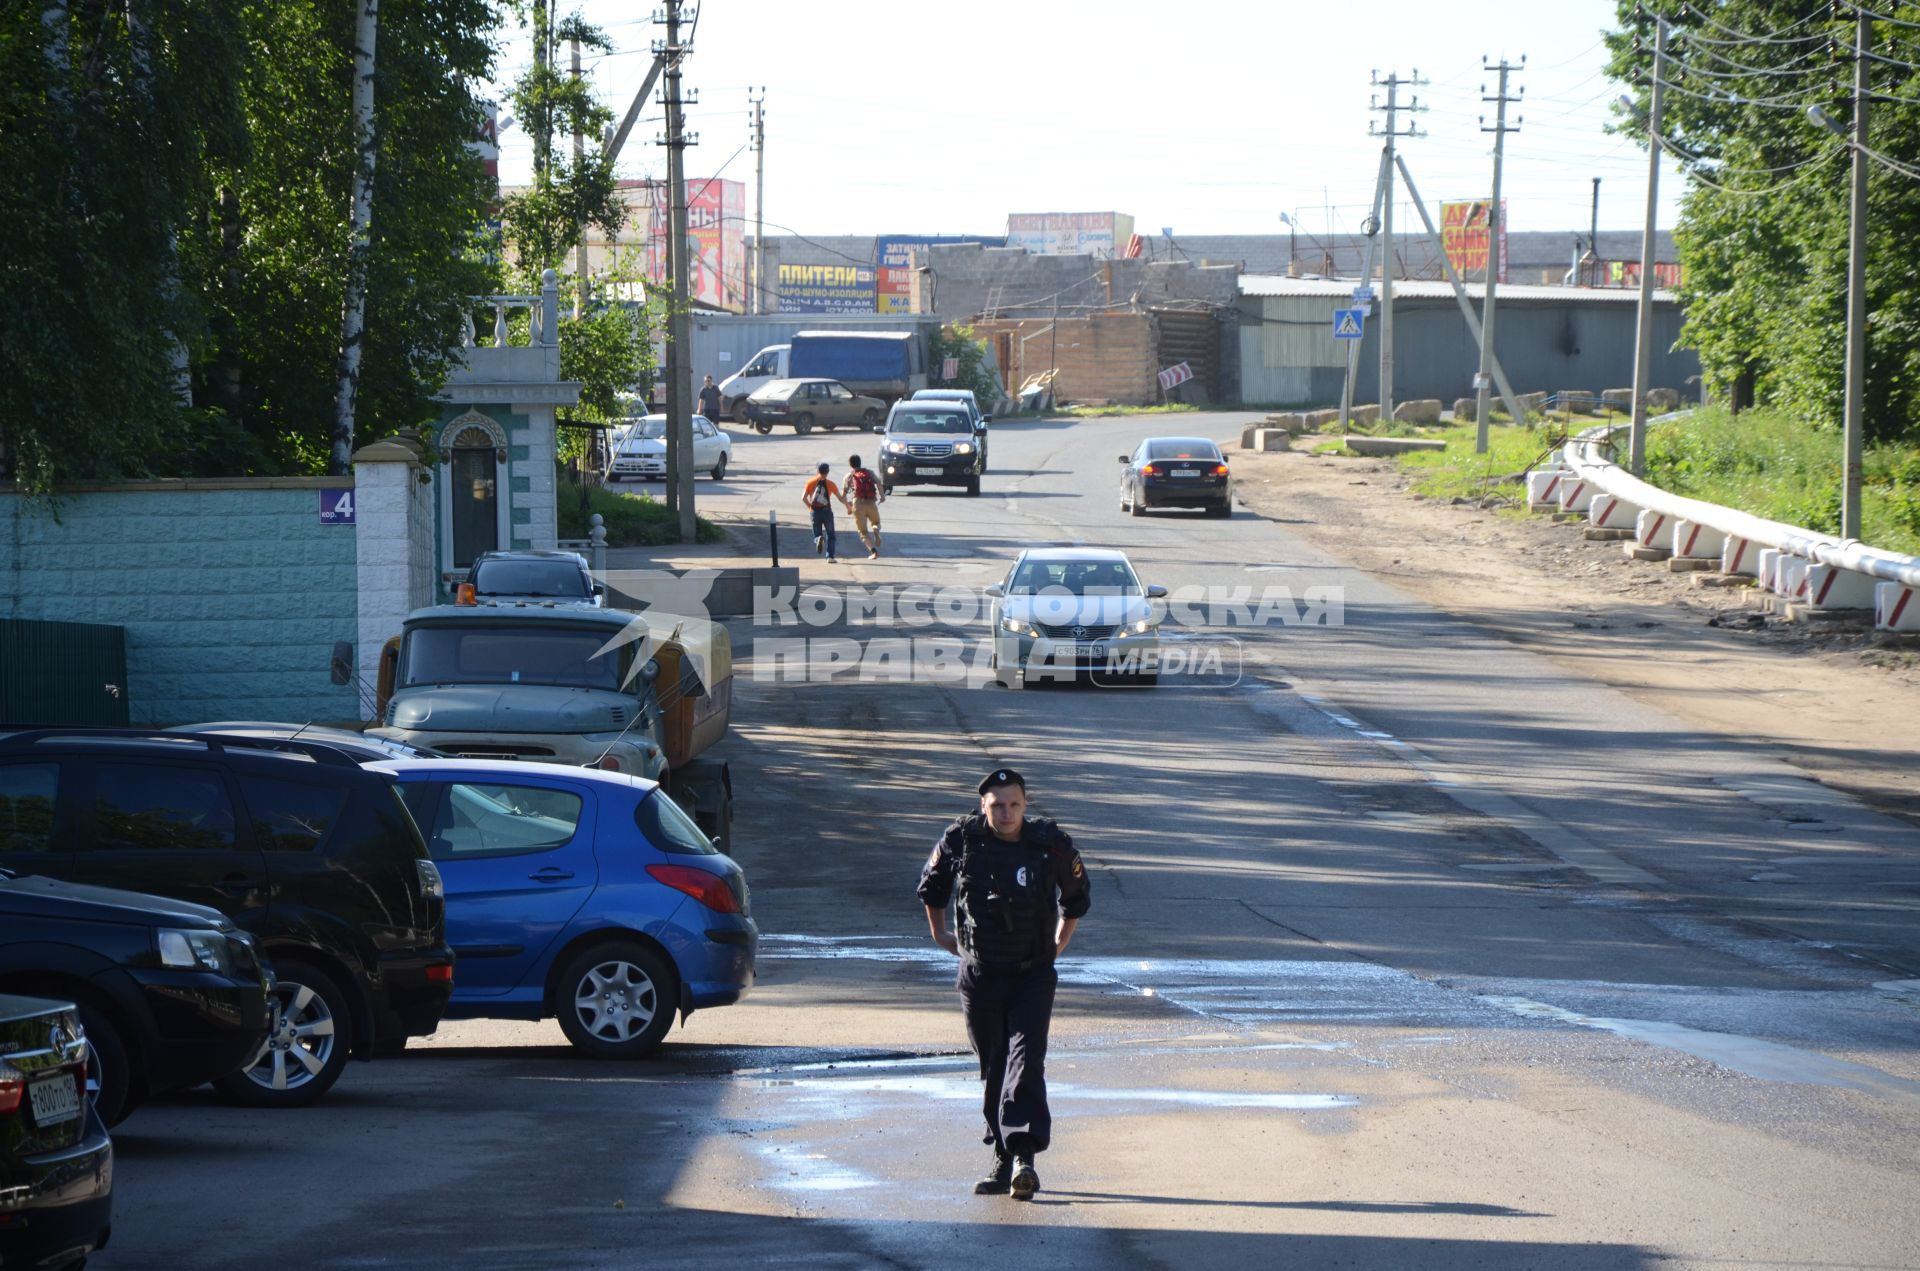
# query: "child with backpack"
[[864, 489], [819, 496]]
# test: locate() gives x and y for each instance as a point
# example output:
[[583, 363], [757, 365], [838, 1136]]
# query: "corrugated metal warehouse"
[[1547, 339]]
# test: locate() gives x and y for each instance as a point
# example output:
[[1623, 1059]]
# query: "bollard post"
[[773, 536]]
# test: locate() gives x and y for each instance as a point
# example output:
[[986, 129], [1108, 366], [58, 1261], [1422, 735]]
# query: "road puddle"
[[964, 1087]]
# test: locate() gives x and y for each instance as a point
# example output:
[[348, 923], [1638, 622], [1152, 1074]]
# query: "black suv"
[[310, 853], [172, 994], [932, 443]]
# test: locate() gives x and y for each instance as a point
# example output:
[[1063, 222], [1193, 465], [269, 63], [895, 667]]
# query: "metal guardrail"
[[1585, 455]]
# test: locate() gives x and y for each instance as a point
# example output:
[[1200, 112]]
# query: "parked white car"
[[642, 453]]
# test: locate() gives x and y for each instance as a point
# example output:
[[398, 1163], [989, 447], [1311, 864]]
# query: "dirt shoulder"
[[1842, 703]]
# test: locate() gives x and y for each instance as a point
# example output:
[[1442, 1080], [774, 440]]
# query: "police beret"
[[1002, 777]]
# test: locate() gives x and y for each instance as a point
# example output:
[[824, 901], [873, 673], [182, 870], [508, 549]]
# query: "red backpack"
[[861, 485]]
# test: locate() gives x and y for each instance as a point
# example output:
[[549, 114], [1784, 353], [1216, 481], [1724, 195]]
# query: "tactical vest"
[[1005, 901]]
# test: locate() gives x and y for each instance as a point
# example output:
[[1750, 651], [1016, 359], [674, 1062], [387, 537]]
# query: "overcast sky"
[[1208, 116]]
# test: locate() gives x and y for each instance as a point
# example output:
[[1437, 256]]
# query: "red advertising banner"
[[717, 251], [1463, 236]]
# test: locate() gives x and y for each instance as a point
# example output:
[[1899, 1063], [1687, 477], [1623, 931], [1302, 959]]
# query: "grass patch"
[[1165, 408], [1774, 466], [1457, 472], [631, 520]]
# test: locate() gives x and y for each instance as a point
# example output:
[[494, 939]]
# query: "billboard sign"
[[1463, 236], [1104, 235], [893, 265], [717, 246], [825, 288]]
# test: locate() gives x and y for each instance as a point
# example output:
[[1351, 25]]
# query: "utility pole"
[[679, 387], [755, 98], [1643, 352], [1851, 425], [1392, 83], [579, 157], [1593, 234], [1483, 380]]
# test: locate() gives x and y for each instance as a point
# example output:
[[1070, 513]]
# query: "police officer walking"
[[1019, 890]]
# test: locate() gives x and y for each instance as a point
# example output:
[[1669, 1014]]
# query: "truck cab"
[[766, 366], [642, 694]]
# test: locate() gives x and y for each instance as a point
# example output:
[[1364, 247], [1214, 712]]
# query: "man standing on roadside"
[[864, 489], [1021, 891], [819, 496], [710, 400]]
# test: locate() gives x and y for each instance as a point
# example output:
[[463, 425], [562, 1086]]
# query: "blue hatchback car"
[[580, 894]]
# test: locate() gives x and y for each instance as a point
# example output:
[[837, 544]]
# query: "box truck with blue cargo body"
[[889, 365]]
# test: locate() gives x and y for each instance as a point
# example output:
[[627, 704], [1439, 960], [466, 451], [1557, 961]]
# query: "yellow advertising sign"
[[1463, 236]]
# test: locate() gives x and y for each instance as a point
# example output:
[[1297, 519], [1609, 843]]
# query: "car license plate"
[[1185, 472], [1089, 651], [929, 472], [55, 1099]]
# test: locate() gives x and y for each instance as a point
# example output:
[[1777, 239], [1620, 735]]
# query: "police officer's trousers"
[[1008, 1014]]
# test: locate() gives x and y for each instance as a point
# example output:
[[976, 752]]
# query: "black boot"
[[999, 1179], [1025, 1182]]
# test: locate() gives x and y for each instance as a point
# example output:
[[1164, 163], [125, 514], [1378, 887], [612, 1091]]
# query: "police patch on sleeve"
[[1077, 871]]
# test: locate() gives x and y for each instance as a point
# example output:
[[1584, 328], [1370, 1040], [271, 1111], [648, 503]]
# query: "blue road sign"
[[1349, 324]]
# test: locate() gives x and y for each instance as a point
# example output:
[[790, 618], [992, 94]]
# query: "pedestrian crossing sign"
[[1349, 324]]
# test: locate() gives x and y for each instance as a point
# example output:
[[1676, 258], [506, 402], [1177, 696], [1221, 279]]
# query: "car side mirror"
[[599, 589], [1126, 458], [986, 419], [1156, 592], [996, 591], [340, 665]]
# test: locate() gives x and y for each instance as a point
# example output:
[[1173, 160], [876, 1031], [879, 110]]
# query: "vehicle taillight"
[[432, 885], [440, 974], [606, 763], [1219, 469], [464, 594], [12, 1086], [1148, 470], [710, 890]]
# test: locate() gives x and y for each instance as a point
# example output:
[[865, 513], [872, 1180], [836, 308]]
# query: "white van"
[[766, 366]]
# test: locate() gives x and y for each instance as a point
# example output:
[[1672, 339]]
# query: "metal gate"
[[62, 673]]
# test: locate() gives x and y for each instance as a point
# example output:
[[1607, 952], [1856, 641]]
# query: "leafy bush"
[[631, 520]]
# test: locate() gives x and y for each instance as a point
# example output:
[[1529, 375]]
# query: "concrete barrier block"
[[1895, 607], [1739, 556], [1270, 439], [1695, 541], [1767, 569], [1577, 401], [1365, 415], [1661, 400], [1620, 399], [1543, 489], [1576, 494], [1533, 403], [1318, 419], [1791, 573], [1248, 435], [1464, 409], [1654, 529], [1422, 410], [1611, 512], [1361, 444], [1830, 587]]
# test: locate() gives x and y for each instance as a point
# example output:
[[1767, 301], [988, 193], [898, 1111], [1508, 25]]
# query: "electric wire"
[[1741, 37]]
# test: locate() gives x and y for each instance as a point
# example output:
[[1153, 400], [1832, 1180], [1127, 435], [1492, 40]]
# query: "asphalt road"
[[1407, 949]]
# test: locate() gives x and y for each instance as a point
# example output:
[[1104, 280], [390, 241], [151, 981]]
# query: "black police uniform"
[[1007, 917]]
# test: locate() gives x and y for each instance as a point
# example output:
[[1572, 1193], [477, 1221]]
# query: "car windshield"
[[927, 421], [1074, 578], [546, 654], [529, 578], [648, 428], [1183, 448]]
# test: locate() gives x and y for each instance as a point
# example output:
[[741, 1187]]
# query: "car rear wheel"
[[873, 421], [1134, 505], [763, 428], [306, 1050], [108, 1066], [973, 485], [802, 424], [615, 1000], [1223, 508], [720, 467]]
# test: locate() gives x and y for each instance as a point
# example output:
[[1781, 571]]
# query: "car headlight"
[[1018, 626], [963, 447], [896, 447], [1143, 626], [192, 950]]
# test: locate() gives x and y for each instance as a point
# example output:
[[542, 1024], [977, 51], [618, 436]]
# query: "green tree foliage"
[[178, 175], [1763, 228], [960, 342], [108, 119]]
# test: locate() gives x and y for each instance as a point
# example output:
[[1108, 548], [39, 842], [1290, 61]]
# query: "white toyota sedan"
[[1063, 612], [641, 454]]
